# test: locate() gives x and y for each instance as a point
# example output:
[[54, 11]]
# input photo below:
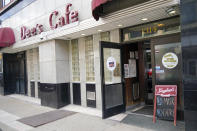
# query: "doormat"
[[45, 118], [146, 110]]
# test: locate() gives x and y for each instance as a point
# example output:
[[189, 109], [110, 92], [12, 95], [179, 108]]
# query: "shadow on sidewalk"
[[146, 122]]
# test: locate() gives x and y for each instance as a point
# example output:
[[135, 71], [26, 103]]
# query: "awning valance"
[[96, 4], [7, 37]]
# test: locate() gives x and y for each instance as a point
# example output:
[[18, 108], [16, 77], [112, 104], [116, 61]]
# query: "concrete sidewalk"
[[12, 109]]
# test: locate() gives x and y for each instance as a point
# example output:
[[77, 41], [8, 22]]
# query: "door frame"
[[120, 108]]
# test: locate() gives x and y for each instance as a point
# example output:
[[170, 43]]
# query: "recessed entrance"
[[14, 73], [130, 72], [138, 77]]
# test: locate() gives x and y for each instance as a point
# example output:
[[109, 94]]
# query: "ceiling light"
[[99, 30], [144, 19], [120, 25], [160, 25], [171, 11], [83, 34]]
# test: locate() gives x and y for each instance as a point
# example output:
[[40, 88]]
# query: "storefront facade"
[[103, 55]]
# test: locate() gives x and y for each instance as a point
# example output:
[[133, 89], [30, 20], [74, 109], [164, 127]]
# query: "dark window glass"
[[192, 68], [167, 26], [188, 14]]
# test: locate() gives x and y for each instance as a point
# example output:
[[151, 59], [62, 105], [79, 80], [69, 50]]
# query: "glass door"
[[112, 82], [168, 68]]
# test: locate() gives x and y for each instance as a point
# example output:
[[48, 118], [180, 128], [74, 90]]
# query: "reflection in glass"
[[163, 73], [112, 76]]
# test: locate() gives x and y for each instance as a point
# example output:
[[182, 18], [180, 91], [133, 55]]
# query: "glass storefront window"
[[5, 2], [112, 76], [105, 36], [89, 56], [75, 61], [163, 27]]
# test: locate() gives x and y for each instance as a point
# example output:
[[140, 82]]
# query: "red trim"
[[155, 104], [175, 110], [7, 37], [166, 90], [95, 7]]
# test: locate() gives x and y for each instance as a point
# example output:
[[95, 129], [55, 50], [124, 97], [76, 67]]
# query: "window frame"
[[88, 56]]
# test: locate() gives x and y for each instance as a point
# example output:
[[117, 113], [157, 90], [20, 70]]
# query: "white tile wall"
[[62, 50], [62, 72], [48, 72], [47, 51], [54, 62]]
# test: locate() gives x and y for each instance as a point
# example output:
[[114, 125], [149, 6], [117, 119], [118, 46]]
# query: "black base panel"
[[32, 85], [76, 94], [55, 95]]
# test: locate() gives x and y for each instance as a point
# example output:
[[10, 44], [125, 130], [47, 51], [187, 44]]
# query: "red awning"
[[7, 37], [96, 7]]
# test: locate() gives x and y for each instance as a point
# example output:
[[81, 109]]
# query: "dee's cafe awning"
[[7, 37], [96, 7]]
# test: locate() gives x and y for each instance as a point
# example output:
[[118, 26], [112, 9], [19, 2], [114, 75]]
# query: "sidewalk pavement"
[[12, 109]]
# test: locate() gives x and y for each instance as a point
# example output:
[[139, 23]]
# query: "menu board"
[[165, 107], [165, 103]]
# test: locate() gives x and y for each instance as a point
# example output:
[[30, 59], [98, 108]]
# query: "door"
[[112, 79], [15, 73], [20, 75], [168, 63]]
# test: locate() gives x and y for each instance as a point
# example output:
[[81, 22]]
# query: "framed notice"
[[165, 103], [126, 70], [132, 68]]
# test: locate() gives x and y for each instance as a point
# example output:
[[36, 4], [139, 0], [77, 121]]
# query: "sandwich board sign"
[[165, 102]]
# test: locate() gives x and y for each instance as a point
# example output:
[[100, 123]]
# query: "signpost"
[[165, 103]]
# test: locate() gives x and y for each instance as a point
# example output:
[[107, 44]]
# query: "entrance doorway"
[[138, 77], [131, 71], [14, 69]]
